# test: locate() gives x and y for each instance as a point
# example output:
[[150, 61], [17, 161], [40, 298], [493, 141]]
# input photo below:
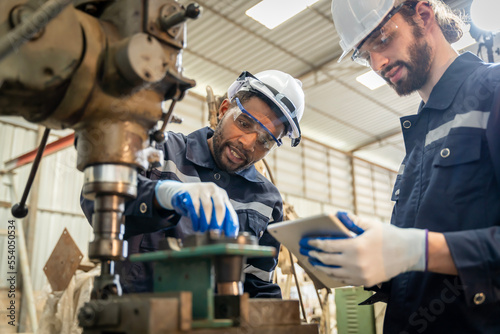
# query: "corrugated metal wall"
[[373, 187], [315, 178], [312, 177], [58, 196]]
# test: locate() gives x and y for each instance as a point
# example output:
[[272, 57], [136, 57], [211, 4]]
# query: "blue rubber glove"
[[379, 253], [346, 220], [199, 201], [305, 247]]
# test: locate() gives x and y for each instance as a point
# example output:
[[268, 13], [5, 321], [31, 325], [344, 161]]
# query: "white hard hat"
[[356, 19], [282, 89]]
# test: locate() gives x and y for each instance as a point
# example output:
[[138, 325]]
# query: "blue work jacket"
[[255, 199], [449, 182]]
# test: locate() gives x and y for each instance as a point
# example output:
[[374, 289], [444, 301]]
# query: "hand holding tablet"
[[296, 233]]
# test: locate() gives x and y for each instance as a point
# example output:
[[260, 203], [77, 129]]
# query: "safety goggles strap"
[[243, 110], [241, 81]]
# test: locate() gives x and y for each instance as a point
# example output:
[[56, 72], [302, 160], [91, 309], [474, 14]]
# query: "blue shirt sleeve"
[[476, 253]]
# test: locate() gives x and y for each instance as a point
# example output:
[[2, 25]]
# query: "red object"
[[51, 148]]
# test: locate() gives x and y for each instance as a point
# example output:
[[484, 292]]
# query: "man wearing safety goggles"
[[258, 111], [208, 182], [438, 263]]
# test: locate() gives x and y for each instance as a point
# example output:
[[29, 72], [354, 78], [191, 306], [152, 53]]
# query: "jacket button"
[[396, 192], [445, 152], [217, 176], [479, 298], [143, 207], [406, 124]]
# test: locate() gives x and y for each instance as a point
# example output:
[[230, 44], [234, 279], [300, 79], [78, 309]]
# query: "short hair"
[[450, 23]]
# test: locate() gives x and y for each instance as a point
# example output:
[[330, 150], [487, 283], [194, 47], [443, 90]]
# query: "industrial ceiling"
[[340, 112]]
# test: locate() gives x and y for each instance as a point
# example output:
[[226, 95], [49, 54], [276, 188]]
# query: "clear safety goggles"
[[247, 123], [246, 81], [379, 39]]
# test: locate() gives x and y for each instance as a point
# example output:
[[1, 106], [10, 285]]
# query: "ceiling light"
[[484, 14], [371, 80], [272, 13]]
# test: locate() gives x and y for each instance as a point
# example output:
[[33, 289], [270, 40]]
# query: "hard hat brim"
[[354, 20], [345, 53]]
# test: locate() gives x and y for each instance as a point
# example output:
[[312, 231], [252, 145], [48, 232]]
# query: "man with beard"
[[211, 174], [438, 263]]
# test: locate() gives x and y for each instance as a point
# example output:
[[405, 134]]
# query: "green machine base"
[[192, 269]]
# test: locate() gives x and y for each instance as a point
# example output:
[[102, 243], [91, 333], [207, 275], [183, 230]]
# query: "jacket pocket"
[[457, 150], [460, 170], [256, 224]]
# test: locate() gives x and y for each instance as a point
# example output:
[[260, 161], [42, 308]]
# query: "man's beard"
[[417, 69], [218, 148]]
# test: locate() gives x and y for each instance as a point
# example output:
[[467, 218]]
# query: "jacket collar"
[[198, 152], [446, 89]]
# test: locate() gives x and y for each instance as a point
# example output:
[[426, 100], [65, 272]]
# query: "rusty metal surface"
[[232, 307], [136, 314], [98, 70], [162, 313], [157, 9], [63, 262], [104, 76], [268, 312], [286, 329], [183, 312], [36, 74]]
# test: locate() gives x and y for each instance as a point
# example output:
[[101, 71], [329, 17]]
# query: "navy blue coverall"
[[255, 199], [449, 182]]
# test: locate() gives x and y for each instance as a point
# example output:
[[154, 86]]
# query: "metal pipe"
[[108, 185], [26, 30], [212, 107], [51, 148], [298, 288]]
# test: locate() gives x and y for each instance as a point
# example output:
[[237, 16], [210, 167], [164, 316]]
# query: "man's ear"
[[424, 15], [224, 107]]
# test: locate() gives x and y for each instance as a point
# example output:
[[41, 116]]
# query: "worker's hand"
[[379, 253], [199, 201]]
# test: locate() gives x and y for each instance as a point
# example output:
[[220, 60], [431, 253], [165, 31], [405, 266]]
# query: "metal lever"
[[20, 210], [192, 11], [159, 136]]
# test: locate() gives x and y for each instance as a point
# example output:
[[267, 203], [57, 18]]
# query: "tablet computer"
[[290, 232]]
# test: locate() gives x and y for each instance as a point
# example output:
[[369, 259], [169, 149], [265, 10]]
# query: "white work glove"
[[374, 256], [199, 201]]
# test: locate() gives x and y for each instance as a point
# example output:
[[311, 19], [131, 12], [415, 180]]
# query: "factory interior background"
[[348, 159]]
